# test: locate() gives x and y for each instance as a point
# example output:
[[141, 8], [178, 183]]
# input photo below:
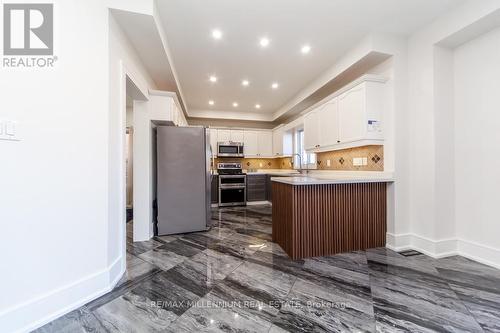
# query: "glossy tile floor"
[[234, 279]]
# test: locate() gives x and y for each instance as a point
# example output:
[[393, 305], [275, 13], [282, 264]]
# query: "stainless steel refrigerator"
[[183, 179]]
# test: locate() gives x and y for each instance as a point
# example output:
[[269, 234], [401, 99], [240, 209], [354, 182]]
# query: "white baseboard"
[[444, 248], [478, 252], [39, 311]]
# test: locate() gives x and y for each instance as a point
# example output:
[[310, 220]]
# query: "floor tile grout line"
[[459, 299]]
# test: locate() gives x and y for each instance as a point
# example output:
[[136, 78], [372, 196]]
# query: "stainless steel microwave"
[[230, 149]]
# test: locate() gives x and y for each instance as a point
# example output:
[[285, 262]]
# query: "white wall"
[[54, 214], [129, 117], [123, 61], [62, 221], [434, 176], [477, 139]]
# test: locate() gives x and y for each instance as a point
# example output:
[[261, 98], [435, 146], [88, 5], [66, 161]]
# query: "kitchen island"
[[320, 215]]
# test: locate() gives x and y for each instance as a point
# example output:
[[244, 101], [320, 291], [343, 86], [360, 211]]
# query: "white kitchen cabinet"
[[321, 126], [265, 142], [251, 143], [258, 143], [278, 142], [328, 121], [237, 135], [352, 114], [230, 135], [282, 142], [360, 112], [213, 141], [353, 118], [223, 135], [311, 130]]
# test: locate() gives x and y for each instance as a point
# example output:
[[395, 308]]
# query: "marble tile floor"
[[234, 279]]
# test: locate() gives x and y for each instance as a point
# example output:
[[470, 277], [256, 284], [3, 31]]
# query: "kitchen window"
[[308, 159]]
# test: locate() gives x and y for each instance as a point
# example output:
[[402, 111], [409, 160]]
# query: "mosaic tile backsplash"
[[260, 163], [342, 159], [339, 160]]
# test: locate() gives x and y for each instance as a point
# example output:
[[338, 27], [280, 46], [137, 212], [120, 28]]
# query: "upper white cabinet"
[[256, 143], [352, 114], [237, 135], [350, 119], [223, 135], [282, 142], [251, 143], [265, 143], [278, 142], [360, 112], [328, 119], [229, 135], [311, 130], [213, 141]]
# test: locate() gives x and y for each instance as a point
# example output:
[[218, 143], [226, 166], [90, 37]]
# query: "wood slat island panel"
[[318, 220]]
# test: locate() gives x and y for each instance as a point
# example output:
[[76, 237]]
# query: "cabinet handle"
[[338, 141]]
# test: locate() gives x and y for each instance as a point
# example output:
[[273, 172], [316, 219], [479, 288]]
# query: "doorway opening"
[[132, 94], [129, 164]]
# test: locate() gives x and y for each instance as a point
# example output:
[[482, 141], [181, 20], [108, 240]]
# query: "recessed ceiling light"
[[245, 83], [235, 104], [264, 41], [305, 49], [213, 78], [257, 106], [216, 34], [275, 85], [211, 102]]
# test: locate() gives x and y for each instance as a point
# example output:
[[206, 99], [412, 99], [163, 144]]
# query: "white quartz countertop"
[[339, 177]]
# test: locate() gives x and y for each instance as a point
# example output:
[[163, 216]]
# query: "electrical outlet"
[[365, 160], [357, 161], [328, 163], [260, 165]]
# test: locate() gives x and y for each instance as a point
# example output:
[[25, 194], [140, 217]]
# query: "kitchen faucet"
[[300, 162]]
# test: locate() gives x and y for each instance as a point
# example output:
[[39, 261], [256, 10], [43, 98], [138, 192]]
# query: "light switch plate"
[[365, 160], [9, 130]]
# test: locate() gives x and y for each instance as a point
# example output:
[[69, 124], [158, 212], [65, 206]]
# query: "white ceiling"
[[330, 27]]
